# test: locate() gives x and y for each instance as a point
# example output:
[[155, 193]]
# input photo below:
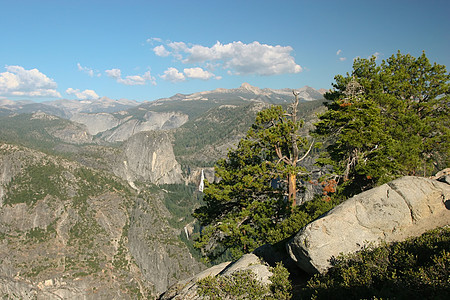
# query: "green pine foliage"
[[396, 123], [246, 208]]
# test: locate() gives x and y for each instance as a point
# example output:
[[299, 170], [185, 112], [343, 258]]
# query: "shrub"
[[414, 269], [245, 285]]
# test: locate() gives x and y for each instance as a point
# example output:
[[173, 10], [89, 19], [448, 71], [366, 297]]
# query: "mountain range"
[[96, 196]]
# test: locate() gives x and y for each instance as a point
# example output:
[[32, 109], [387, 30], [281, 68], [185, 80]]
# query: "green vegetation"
[[27, 131], [213, 127], [35, 182], [180, 199], [93, 183], [217, 125], [248, 206], [244, 285], [39, 235], [386, 121], [414, 269], [44, 178], [35, 270], [23, 130], [38, 134]]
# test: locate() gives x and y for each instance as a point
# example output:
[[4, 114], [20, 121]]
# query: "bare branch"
[[307, 152], [242, 221]]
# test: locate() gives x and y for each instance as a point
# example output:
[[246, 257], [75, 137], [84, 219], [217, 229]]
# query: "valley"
[[96, 196]]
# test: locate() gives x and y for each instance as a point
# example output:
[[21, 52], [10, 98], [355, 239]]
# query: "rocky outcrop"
[[156, 248], [187, 289], [148, 156], [21, 289], [71, 133], [403, 208], [119, 126], [96, 123], [151, 121], [194, 175]]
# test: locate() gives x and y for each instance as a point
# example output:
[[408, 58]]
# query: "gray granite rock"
[[403, 208]]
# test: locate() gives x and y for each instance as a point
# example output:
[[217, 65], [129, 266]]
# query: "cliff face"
[[148, 156], [73, 232], [96, 123], [155, 246], [119, 126]]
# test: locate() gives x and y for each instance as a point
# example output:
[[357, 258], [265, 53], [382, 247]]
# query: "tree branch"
[[307, 152]]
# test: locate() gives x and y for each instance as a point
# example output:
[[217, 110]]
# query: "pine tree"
[[257, 187], [387, 120]]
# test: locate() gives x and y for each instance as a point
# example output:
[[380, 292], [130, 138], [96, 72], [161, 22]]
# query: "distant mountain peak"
[[251, 88], [246, 85], [323, 91]]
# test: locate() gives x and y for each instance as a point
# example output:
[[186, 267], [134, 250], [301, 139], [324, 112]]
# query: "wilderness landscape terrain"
[[96, 196]]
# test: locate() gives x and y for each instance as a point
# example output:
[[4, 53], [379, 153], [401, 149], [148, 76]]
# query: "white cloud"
[[114, 73], [131, 79], [240, 58], [173, 75], [161, 51], [237, 57], [17, 81], [198, 73], [339, 52], [178, 46], [86, 94], [88, 71], [154, 39]]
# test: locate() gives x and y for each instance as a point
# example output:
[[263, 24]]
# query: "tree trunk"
[[292, 189]]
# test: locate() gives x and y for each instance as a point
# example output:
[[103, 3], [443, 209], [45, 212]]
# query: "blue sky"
[[145, 50]]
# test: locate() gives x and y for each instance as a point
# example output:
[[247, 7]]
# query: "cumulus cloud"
[[161, 51], [237, 57], [131, 79], [173, 75], [342, 58], [339, 52], [17, 81], [114, 73], [86, 94], [88, 71], [198, 73], [178, 46]]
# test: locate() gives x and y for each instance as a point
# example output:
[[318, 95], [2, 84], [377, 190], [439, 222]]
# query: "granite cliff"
[[68, 231], [148, 157]]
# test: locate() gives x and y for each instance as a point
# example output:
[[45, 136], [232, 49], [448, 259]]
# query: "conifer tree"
[[257, 187], [387, 120]]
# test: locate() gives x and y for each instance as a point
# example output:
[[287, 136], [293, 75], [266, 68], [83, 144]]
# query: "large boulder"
[[187, 289], [402, 208]]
